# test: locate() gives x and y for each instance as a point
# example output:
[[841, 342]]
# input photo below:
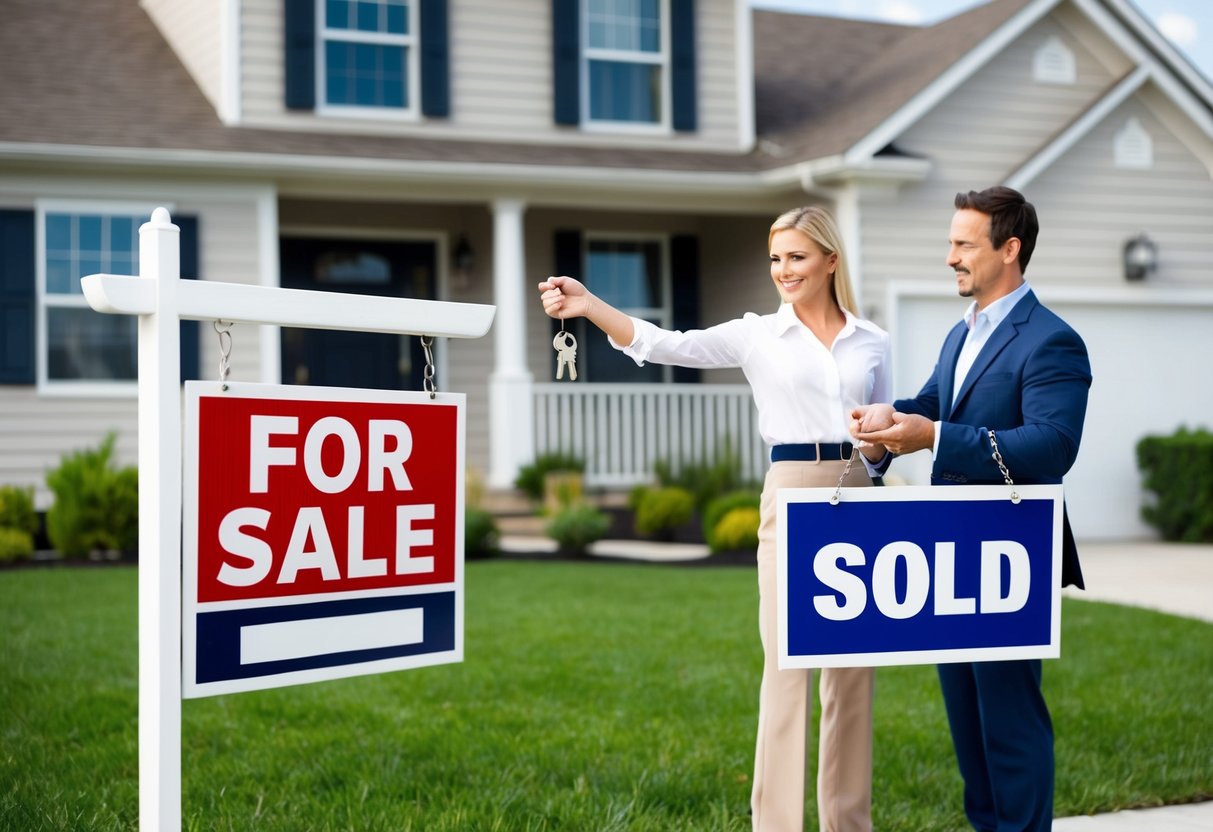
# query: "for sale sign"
[[323, 534], [921, 574]]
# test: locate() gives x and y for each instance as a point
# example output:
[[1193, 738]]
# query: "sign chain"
[[224, 330], [1006, 475], [427, 342]]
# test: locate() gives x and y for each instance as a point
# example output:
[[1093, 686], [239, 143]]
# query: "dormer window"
[[1054, 63], [1133, 148]]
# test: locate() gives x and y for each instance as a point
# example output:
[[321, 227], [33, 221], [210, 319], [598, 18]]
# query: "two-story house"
[[464, 150]]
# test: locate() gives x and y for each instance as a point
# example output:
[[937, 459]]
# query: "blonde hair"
[[819, 226]]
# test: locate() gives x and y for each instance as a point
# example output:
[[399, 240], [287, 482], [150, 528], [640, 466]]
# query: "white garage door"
[[1152, 361]]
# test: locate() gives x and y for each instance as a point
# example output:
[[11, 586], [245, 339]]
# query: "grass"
[[592, 697]]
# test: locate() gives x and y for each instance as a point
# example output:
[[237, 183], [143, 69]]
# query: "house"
[[464, 149]]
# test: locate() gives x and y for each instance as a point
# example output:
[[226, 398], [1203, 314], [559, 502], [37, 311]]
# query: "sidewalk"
[[1168, 577]]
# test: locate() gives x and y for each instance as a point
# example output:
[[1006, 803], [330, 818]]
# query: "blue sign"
[[919, 574]]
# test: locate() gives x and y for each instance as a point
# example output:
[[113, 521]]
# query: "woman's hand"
[[564, 298]]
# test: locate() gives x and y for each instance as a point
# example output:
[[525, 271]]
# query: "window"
[[369, 54], [631, 275], [626, 61], [624, 65], [79, 345], [367, 57]]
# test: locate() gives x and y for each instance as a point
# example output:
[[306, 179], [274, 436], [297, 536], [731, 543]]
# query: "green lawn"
[[592, 697]]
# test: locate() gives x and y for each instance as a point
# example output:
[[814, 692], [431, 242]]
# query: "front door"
[[334, 358]]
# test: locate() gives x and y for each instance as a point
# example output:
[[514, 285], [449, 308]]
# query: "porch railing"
[[620, 430]]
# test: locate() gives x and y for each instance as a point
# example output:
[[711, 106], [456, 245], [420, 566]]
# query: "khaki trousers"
[[844, 759]]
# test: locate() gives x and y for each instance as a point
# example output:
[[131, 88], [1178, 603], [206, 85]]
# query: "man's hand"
[[909, 432]]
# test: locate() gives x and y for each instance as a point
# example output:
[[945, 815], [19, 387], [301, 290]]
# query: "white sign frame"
[[192, 608]]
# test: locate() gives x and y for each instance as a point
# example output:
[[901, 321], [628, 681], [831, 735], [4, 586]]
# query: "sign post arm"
[[160, 531]]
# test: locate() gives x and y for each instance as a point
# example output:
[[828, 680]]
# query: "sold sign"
[[918, 574], [323, 534]]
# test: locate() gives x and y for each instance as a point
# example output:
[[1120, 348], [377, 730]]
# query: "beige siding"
[[989, 127], [501, 79], [1089, 208], [192, 29]]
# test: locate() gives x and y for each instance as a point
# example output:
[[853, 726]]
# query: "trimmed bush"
[[96, 505], [1179, 470], [530, 477], [480, 535], [15, 544], [664, 509], [719, 507], [705, 480], [17, 509], [738, 529], [576, 527]]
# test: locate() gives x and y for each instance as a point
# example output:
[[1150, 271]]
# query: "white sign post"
[[161, 300]]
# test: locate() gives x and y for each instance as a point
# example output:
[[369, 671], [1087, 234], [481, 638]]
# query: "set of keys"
[[566, 353]]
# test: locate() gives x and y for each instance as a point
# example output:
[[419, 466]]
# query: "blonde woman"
[[809, 364]]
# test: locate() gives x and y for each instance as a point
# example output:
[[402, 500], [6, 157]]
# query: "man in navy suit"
[[1013, 368]]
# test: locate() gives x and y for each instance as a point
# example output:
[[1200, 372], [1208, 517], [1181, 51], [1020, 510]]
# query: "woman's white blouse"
[[804, 391]]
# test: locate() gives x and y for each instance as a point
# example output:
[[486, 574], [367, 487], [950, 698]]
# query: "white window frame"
[[663, 313], [411, 43], [662, 59], [83, 388]]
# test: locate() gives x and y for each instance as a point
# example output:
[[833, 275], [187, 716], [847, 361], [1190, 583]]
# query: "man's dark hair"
[[1010, 216]]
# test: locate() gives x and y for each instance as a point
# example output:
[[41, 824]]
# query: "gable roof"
[[823, 86], [849, 76]]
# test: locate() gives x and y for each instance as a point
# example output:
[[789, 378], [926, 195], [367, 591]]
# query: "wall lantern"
[[462, 260], [1141, 257]]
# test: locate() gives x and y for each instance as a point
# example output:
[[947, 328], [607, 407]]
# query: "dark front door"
[[334, 358]]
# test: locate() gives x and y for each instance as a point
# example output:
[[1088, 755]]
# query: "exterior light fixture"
[[463, 259], [1140, 256]]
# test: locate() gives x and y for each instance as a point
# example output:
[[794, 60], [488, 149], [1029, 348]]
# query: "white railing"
[[620, 430]]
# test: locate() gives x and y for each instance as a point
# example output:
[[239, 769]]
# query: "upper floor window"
[[369, 54], [626, 62], [367, 57], [76, 344], [624, 65]]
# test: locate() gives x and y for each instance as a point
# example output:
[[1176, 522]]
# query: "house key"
[[566, 353]]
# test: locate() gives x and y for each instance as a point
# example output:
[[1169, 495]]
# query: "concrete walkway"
[[1168, 577]]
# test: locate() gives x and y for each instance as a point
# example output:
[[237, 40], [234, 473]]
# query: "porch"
[[621, 430]]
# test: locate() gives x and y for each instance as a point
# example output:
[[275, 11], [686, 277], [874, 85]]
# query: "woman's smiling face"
[[799, 268]]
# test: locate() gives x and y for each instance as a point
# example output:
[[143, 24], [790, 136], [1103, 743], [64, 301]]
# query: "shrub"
[[530, 477], [704, 480], [1179, 470], [15, 544], [737, 529], [17, 509], [576, 527], [664, 509], [96, 505], [720, 506], [480, 535]]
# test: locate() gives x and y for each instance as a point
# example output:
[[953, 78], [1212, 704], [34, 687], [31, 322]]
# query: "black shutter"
[[190, 365], [435, 59], [17, 297], [682, 63], [567, 262], [300, 50], [566, 61], [684, 283]]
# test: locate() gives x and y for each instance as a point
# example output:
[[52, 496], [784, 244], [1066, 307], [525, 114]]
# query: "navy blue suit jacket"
[[1029, 385]]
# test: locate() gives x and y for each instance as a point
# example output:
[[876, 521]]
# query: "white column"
[[511, 427], [847, 211], [160, 531]]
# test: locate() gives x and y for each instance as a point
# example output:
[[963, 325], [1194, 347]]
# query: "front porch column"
[[511, 426]]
